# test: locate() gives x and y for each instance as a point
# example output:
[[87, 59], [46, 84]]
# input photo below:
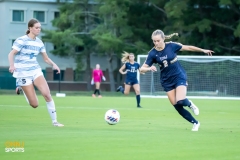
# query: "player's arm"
[[196, 49], [50, 62], [148, 64], [139, 70], [11, 60], [92, 74], [121, 70], [103, 77], [146, 68]]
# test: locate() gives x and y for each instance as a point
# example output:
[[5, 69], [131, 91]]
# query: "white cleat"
[[57, 124], [196, 126], [194, 108]]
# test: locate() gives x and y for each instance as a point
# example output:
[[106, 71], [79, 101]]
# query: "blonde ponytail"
[[159, 32], [125, 57], [171, 35]]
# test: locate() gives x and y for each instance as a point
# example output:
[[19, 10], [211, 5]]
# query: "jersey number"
[[165, 63], [132, 70]]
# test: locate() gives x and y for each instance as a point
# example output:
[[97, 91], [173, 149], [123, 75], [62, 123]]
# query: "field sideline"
[[153, 132]]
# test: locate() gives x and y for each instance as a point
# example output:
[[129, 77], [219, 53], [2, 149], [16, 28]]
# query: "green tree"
[[144, 17], [209, 24], [71, 36], [113, 33]]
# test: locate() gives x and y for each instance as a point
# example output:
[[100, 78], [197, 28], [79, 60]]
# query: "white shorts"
[[25, 81]]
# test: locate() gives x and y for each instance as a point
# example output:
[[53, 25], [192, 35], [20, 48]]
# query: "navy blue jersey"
[[131, 70], [171, 70]]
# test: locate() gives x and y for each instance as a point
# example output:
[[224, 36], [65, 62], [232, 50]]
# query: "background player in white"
[[27, 71]]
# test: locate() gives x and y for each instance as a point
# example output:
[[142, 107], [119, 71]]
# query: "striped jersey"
[[26, 59]]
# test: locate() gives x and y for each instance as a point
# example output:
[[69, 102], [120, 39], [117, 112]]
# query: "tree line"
[[109, 27]]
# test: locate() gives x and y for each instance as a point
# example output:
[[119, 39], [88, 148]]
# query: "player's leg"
[[126, 89], [95, 92], [127, 85], [172, 96], [98, 89], [136, 87], [41, 83], [97, 86], [183, 112], [181, 92], [30, 95], [26, 86], [182, 101]]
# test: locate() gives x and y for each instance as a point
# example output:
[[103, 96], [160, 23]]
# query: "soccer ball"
[[112, 116]]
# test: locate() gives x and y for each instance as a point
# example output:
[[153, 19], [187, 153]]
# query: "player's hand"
[[11, 69], [209, 52], [92, 82], [56, 68], [124, 72], [152, 68], [103, 78]]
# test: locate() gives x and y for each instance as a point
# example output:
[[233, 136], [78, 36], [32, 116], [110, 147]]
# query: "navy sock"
[[184, 102], [138, 99], [122, 90], [99, 92], [95, 91], [185, 114]]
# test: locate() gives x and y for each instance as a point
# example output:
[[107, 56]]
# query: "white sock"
[[25, 97], [52, 110]]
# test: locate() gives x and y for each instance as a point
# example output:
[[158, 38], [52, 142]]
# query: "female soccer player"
[[131, 67], [27, 71], [173, 76], [97, 76]]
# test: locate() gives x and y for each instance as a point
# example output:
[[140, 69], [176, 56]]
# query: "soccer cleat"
[[194, 108], [18, 90], [99, 96], [196, 126], [93, 95], [139, 106], [57, 124], [119, 88]]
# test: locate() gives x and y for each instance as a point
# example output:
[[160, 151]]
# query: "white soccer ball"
[[112, 116]]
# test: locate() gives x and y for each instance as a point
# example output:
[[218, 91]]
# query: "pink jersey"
[[97, 75]]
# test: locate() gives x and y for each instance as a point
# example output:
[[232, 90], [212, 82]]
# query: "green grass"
[[151, 133]]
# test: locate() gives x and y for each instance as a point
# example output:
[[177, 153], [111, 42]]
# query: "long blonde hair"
[[125, 57], [159, 32]]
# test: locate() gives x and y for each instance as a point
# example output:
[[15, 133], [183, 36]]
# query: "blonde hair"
[[125, 57], [159, 32]]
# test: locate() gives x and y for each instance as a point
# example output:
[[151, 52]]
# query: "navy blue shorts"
[[169, 87], [131, 82]]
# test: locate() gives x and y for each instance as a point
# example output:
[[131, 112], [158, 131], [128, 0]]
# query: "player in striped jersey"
[[173, 77], [27, 71]]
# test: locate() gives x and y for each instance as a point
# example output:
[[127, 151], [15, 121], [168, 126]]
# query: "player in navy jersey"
[[173, 77], [131, 67]]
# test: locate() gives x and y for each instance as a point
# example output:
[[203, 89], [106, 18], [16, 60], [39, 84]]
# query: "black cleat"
[[119, 88], [139, 106], [18, 90]]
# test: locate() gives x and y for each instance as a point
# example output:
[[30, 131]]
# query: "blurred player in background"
[[173, 77], [28, 72], [97, 77], [130, 68]]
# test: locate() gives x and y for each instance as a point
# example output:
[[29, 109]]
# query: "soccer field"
[[153, 132]]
